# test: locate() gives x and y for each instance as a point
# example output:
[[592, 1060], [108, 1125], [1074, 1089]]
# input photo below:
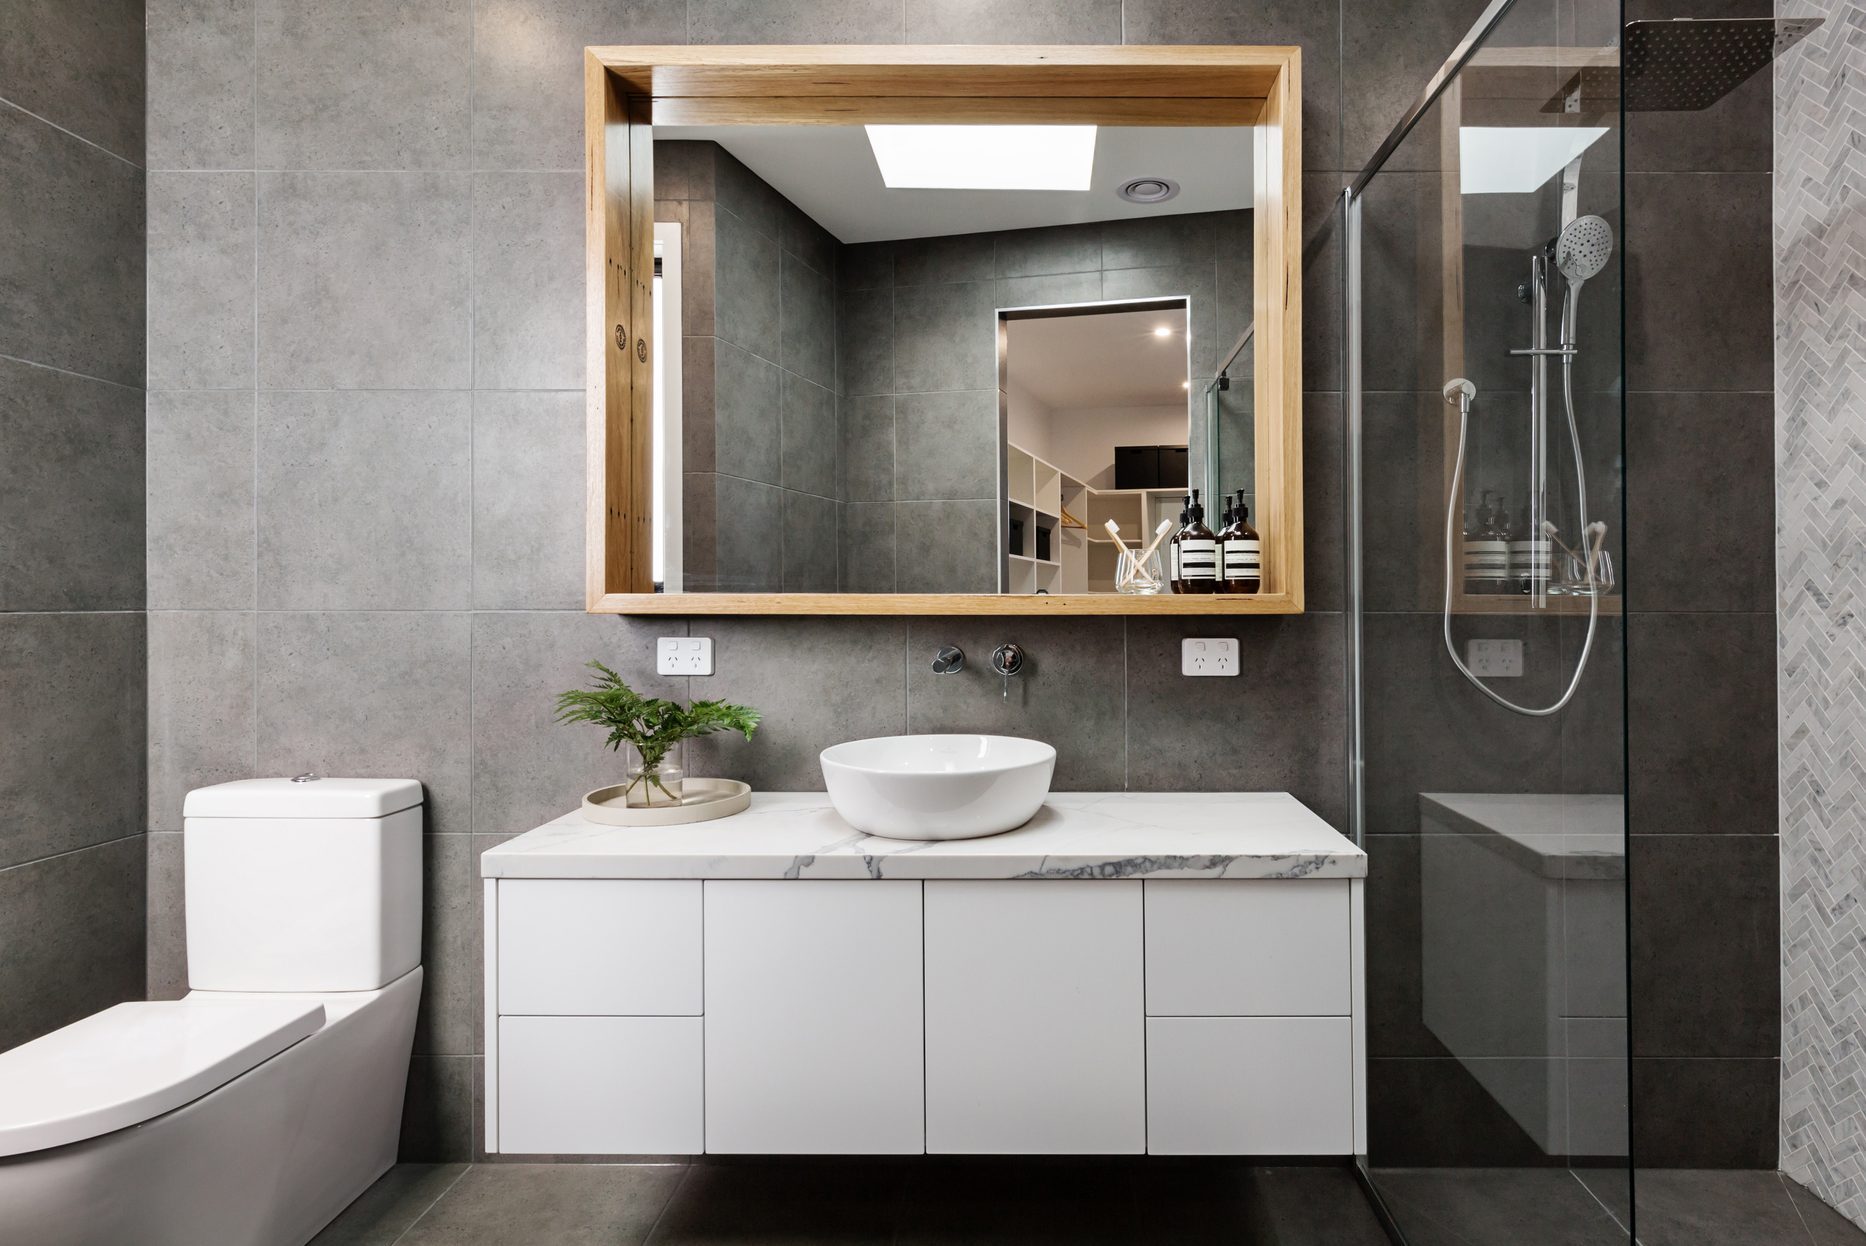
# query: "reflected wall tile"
[[1195, 282], [528, 280], [747, 425], [66, 301], [748, 519], [866, 546], [528, 535], [1430, 1112], [699, 273], [71, 491], [81, 914], [865, 340], [165, 958], [698, 398], [743, 193], [363, 501], [1701, 702], [201, 291], [199, 100], [807, 241], [947, 445], [868, 448], [364, 280], [1050, 289], [1395, 1001], [946, 547], [1049, 250], [945, 337], [866, 266], [809, 535], [782, 668], [1284, 723], [71, 685], [201, 706], [809, 437], [943, 260], [528, 72], [1072, 693], [357, 84], [373, 695], [527, 768], [809, 322], [199, 543], [1159, 241], [747, 285]]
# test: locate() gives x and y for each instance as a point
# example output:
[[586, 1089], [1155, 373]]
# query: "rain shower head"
[[1682, 65], [1583, 248]]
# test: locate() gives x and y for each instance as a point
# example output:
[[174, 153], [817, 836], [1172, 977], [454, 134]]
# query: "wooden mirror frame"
[[628, 89]]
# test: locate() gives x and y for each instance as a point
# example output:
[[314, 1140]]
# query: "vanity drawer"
[[1248, 947], [1250, 1086], [599, 947], [601, 1085]]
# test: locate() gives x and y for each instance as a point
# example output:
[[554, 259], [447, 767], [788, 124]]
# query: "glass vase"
[[653, 787]]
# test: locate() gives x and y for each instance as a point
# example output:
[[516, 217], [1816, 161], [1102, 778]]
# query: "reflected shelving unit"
[[1056, 526]]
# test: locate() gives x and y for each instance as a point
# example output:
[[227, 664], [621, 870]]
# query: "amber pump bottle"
[[1198, 551], [1243, 552]]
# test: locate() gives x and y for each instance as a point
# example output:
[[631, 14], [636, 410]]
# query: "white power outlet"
[[1494, 659], [683, 655], [1209, 657]]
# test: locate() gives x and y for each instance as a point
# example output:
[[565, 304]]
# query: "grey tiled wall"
[[758, 363], [365, 467], [71, 513], [917, 354]]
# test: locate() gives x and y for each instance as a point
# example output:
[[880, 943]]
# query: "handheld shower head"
[[1583, 248]]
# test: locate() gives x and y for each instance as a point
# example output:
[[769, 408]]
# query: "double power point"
[[1209, 657], [683, 655]]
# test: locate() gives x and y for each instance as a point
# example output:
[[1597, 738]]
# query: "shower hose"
[[1588, 556]]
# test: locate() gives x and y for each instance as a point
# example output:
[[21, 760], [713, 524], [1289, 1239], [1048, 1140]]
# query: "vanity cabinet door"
[[813, 1018], [1273, 947], [1250, 1086], [600, 1085], [1035, 1033]]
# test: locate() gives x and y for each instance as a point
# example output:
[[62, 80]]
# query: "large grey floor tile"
[[386, 1209], [781, 1204], [1715, 1208], [1490, 1206], [1825, 1225], [560, 1204]]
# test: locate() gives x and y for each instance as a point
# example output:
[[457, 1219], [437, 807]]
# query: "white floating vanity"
[[1128, 973]]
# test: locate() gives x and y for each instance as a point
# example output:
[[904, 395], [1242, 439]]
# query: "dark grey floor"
[[1556, 1207], [830, 1203]]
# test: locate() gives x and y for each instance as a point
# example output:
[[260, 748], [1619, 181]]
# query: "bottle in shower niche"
[[1198, 551], [1486, 549], [1529, 556], [1242, 551]]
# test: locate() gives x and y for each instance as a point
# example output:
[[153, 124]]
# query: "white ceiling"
[[829, 171], [1111, 360]]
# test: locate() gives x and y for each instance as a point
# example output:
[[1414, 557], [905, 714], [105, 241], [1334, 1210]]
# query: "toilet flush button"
[[307, 777]]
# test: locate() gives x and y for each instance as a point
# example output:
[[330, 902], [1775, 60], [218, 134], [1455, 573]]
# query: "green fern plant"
[[651, 725]]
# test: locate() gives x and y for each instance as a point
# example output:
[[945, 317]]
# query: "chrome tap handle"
[[1007, 660], [948, 661]]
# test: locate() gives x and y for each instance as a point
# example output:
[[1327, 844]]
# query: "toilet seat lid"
[[133, 1062]]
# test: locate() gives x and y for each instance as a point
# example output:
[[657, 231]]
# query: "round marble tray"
[[702, 800]]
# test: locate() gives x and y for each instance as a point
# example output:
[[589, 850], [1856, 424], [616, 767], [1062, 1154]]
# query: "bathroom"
[[295, 365]]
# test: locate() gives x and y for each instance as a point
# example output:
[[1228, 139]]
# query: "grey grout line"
[[648, 1237], [71, 852], [1589, 1190], [47, 121], [1782, 1180], [82, 376], [464, 1170]]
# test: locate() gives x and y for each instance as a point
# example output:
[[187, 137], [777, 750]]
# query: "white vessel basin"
[[938, 786]]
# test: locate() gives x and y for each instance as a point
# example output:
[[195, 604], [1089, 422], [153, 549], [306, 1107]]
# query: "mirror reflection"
[[890, 361]]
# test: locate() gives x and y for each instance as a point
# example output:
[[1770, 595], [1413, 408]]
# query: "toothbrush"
[[1159, 534]]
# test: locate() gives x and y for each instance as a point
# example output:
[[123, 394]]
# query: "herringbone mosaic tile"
[[1820, 373]]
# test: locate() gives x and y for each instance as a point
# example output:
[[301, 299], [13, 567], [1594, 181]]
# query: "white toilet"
[[252, 1111]]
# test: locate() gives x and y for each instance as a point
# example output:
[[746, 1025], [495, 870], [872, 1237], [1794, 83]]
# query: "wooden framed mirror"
[[684, 521]]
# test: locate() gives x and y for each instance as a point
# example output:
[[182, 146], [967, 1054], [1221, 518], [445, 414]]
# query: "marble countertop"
[[1551, 834], [1075, 835]]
